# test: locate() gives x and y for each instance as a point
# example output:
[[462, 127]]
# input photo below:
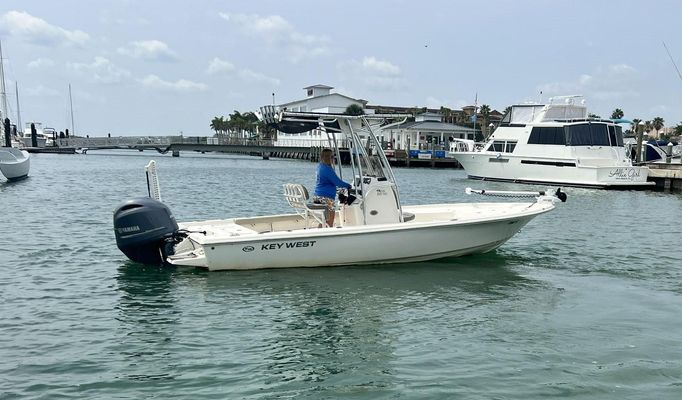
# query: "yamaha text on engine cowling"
[[143, 227]]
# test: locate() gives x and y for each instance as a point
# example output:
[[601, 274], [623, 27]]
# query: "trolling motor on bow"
[[145, 228]]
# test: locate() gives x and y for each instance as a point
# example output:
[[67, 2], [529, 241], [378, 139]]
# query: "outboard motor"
[[142, 226]]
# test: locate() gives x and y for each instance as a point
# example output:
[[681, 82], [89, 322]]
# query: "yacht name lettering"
[[624, 173], [288, 245]]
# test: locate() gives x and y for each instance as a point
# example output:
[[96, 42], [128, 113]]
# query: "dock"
[[666, 176]]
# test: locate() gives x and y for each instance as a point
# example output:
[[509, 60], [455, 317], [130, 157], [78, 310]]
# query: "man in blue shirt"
[[327, 182]]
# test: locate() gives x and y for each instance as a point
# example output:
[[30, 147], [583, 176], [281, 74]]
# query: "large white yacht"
[[554, 143]]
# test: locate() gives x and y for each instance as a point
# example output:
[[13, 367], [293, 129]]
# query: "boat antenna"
[[16, 88], [73, 129], [3, 93], [672, 60]]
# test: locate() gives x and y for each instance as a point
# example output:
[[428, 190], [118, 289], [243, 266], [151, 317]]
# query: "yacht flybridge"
[[555, 143], [371, 225]]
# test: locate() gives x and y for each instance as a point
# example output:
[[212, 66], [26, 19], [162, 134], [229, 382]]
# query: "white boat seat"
[[298, 198]]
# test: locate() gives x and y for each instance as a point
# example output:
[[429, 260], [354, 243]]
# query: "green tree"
[[617, 114], [447, 114], [658, 123], [354, 109], [635, 125], [678, 129], [218, 125], [485, 115], [507, 110], [648, 127], [595, 116]]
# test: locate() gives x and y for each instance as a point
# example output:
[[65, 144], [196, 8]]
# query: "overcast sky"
[[159, 67]]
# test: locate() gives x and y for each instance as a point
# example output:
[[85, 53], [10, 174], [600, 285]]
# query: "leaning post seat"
[[298, 198]]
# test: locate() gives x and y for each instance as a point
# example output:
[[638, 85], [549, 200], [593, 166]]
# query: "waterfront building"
[[319, 98]]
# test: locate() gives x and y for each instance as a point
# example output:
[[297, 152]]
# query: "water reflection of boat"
[[555, 143], [372, 226]]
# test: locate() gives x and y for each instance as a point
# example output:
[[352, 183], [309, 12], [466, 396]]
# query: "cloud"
[[101, 70], [217, 66], [38, 31], [181, 85], [41, 63], [610, 83], [277, 32], [253, 76], [42, 91], [154, 50], [374, 73], [433, 102]]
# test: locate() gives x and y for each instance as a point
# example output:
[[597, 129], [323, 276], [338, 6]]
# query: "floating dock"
[[51, 150]]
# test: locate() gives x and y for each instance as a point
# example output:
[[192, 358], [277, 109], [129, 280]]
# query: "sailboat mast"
[[3, 93], [19, 126], [73, 129]]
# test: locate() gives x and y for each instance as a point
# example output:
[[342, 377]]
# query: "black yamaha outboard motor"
[[142, 226]]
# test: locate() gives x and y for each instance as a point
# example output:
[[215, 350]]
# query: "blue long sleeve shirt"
[[327, 181]]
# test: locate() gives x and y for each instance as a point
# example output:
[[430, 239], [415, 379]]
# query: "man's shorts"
[[326, 201]]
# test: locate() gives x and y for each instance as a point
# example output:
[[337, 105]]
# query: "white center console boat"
[[371, 225]]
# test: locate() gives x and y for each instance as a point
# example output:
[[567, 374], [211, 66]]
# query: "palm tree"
[[354, 109], [507, 110], [595, 116], [485, 114], [635, 125], [678, 129], [658, 123], [217, 124], [617, 114], [446, 113]]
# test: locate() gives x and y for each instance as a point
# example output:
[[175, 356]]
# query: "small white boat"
[[656, 151], [14, 163], [555, 143], [44, 136], [371, 225]]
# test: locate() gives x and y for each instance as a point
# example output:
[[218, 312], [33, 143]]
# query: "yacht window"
[[498, 146], [501, 146], [599, 134], [612, 135], [619, 136], [579, 135], [547, 135]]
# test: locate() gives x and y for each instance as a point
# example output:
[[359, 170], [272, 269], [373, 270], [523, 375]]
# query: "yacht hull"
[[437, 231], [565, 172], [14, 163]]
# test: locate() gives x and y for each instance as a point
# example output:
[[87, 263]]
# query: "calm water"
[[585, 302]]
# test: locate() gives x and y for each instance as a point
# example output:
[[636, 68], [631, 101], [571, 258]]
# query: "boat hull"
[[565, 172], [14, 163], [378, 244]]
